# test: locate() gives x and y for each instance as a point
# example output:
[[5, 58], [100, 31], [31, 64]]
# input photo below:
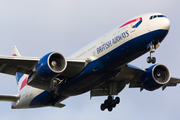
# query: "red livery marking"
[[129, 22], [24, 83], [12, 105], [14, 55]]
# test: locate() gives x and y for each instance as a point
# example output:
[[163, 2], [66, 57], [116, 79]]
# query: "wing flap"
[[9, 97]]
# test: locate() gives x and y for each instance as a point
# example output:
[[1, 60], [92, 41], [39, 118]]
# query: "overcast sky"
[[38, 27]]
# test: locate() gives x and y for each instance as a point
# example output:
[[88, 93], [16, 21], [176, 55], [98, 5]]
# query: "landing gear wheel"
[[148, 59], [117, 100], [153, 46], [106, 102], [114, 104], [110, 108], [153, 60], [110, 103], [103, 107]]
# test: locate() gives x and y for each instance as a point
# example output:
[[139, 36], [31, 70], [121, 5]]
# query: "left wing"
[[129, 75]]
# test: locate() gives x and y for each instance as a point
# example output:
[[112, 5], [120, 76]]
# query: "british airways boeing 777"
[[101, 67]]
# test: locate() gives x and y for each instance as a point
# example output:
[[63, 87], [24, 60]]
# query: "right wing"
[[172, 82], [12, 64]]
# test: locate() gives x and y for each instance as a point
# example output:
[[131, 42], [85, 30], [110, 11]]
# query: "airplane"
[[102, 67]]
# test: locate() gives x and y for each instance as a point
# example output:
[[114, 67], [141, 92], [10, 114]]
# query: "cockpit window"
[[156, 16], [160, 15]]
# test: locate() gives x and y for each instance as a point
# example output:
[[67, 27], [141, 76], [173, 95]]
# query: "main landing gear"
[[110, 103], [53, 97]]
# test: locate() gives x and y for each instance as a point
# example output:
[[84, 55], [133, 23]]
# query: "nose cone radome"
[[165, 24]]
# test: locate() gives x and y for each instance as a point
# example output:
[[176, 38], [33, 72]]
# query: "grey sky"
[[38, 27]]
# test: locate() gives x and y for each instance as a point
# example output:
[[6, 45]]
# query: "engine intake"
[[155, 77], [161, 74], [50, 65], [57, 62]]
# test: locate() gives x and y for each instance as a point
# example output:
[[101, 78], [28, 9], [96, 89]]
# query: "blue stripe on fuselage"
[[39, 100]]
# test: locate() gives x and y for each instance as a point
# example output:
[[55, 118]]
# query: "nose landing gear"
[[110, 103], [153, 46], [151, 59]]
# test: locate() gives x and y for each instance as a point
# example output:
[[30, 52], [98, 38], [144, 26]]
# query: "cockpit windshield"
[[156, 16]]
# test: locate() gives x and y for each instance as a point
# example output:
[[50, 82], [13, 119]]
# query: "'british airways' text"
[[112, 42]]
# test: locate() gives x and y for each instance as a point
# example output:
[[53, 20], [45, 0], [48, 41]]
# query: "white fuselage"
[[124, 33]]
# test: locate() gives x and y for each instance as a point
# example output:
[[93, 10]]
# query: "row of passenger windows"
[[156, 16]]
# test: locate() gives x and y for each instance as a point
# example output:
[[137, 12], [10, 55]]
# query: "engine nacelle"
[[155, 77], [50, 65]]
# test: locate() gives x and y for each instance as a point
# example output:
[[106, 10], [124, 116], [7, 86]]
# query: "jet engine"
[[155, 77], [50, 65]]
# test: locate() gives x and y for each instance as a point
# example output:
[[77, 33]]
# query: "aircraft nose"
[[165, 24]]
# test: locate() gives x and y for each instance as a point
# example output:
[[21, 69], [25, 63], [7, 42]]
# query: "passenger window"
[[160, 15]]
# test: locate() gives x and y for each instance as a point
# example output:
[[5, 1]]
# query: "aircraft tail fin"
[[21, 78]]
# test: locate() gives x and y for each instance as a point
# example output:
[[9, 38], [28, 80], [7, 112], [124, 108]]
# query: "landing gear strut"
[[153, 47], [53, 96], [110, 103]]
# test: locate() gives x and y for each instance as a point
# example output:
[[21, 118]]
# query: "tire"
[[148, 60], [117, 100], [103, 107], [153, 60], [106, 103], [110, 108], [114, 104]]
